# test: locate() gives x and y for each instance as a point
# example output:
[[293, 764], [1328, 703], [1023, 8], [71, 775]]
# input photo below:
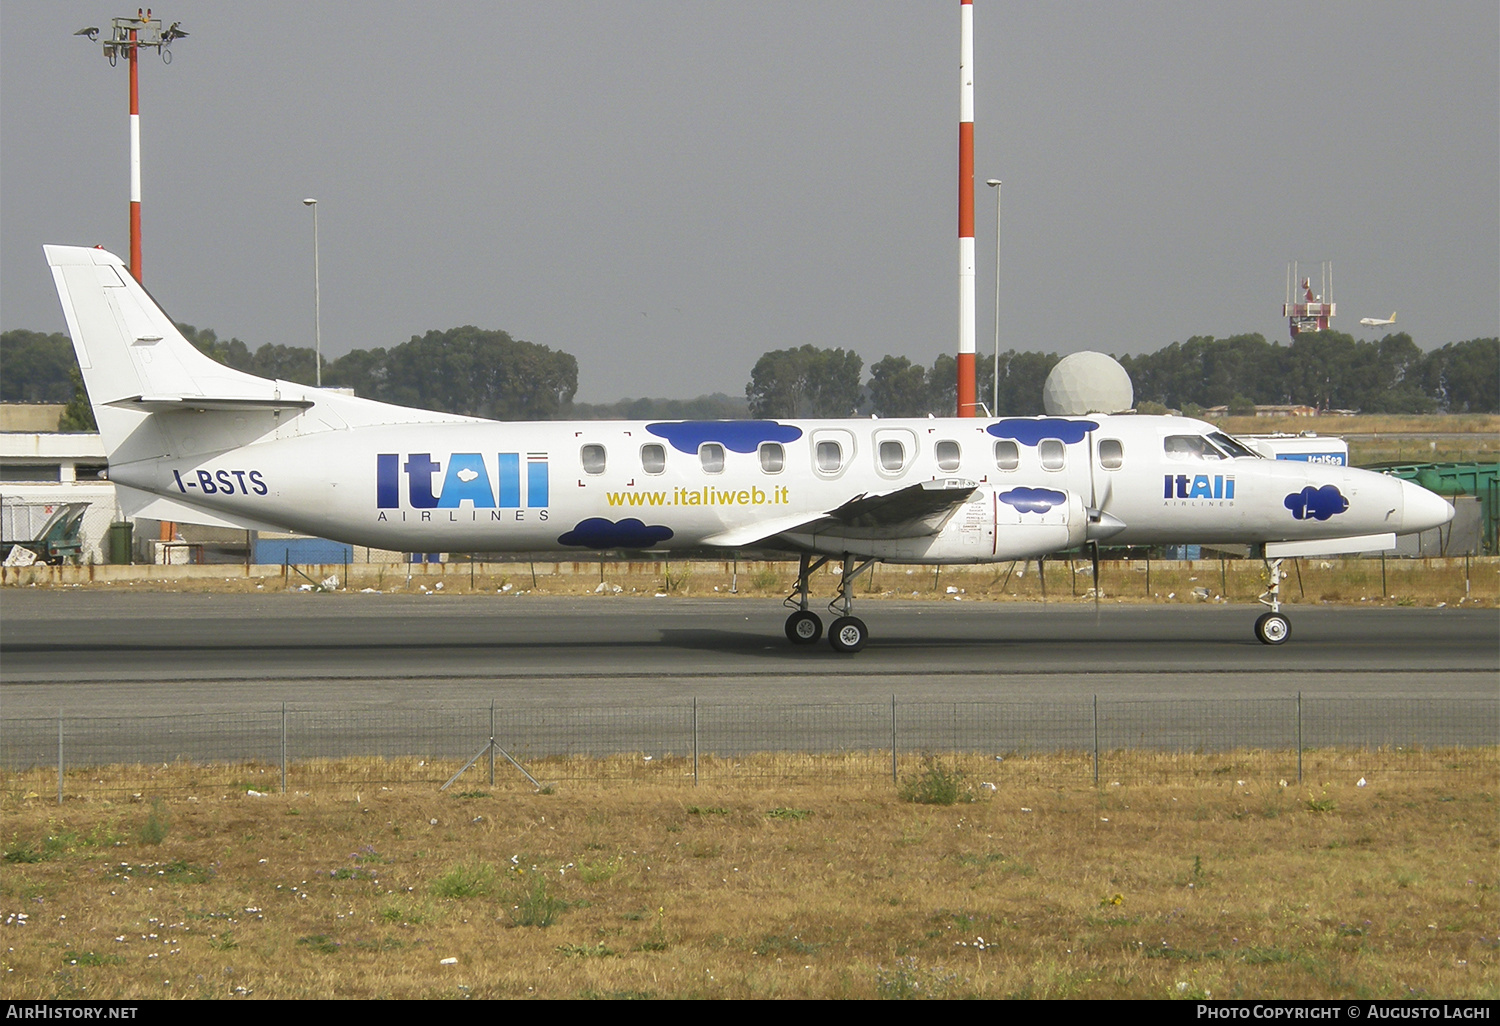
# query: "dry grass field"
[[1391, 582], [1039, 886], [1382, 438]]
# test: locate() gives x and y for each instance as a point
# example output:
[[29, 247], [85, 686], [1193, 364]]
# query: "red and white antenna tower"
[[1316, 308], [967, 404]]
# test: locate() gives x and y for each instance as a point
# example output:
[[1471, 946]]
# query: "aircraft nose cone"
[[1422, 510]]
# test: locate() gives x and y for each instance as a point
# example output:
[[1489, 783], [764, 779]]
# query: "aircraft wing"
[[915, 511]]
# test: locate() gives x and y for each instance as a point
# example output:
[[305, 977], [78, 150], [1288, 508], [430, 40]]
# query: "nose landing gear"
[[1272, 628]]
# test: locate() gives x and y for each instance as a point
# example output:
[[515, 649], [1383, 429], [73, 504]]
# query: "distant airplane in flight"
[[1378, 322]]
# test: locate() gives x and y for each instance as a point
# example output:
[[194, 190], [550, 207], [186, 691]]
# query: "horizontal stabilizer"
[[169, 403]]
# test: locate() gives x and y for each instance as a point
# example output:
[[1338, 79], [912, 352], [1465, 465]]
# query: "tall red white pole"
[[967, 405], [135, 160]]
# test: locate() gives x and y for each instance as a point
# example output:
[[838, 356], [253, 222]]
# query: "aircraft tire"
[[848, 634], [1272, 629], [803, 628]]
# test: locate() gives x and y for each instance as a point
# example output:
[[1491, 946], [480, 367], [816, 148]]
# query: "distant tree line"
[[1328, 370], [486, 373]]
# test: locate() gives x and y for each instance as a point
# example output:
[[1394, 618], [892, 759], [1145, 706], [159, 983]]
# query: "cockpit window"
[[1236, 449], [1191, 447]]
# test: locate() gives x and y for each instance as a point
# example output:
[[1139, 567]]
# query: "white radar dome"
[[1087, 383]]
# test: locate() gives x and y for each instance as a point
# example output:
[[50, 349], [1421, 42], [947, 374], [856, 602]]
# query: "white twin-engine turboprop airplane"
[[190, 440]]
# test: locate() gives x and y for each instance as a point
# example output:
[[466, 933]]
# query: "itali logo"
[[463, 477], [1198, 486]]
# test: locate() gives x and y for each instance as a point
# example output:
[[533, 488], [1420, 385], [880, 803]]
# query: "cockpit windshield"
[[1216, 446], [1235, 449], [1190, 447]]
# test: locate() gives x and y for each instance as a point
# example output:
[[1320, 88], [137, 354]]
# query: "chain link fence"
[[1068, 741]]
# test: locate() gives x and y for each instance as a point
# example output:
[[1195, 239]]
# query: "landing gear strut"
[[848, 632], [1272, 628], [803, 627]]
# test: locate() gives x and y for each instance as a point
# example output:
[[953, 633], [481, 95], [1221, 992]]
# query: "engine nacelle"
[[998, 522]]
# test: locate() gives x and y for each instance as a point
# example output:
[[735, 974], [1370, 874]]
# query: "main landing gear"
[[848, 632], [1272, 628]]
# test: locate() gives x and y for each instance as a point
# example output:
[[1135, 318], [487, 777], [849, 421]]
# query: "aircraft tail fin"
[[130, 352]]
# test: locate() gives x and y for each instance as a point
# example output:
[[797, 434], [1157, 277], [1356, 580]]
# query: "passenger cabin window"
[[593, 459], [772, 457], [711, 455], [1052, 453], [1190, 447], [892, 455], [830, 457], [653, 458], [947, 454], [1007, 455], [1111, 454]]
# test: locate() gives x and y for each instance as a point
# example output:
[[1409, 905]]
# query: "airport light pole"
[[127, 37], [994, 183], [317, 295]]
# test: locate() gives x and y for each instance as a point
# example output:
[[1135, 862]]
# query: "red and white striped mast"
[[967, 404], [135, 151], [128, 36]]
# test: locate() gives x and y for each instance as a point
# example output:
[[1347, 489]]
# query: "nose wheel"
[[1272, 628]]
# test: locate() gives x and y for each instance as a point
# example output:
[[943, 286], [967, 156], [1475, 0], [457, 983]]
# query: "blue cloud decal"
[[1030, 432], [1033, 500], [1316, 503], [598, 533], [735, 435]]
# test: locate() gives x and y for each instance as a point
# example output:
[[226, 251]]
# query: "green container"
[[120, 535]]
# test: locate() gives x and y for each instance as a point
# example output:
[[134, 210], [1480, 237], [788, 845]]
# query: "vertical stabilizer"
[[128, 349]]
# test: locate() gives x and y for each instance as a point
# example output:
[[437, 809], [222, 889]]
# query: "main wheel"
[[1272, 629], [803, 628], [848, 634]]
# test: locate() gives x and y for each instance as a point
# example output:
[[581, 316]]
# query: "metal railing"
[[298, 746]]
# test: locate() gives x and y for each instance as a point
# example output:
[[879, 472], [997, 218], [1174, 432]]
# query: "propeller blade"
[[1094, 555]]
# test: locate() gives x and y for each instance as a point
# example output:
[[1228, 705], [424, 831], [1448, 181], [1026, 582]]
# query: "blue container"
[[302, 551]]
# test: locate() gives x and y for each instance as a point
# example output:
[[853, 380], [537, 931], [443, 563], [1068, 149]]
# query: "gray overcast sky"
[[669, 189]]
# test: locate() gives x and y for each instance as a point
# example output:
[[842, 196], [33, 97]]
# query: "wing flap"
[[914, 511]]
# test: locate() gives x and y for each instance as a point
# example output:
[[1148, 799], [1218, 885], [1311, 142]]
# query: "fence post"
[[893, 739], [1096, 740], [1299, 737], [492, 741], [59, 756], [695, 740], [283, 748]]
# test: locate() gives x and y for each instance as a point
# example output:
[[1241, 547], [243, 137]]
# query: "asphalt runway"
[[99, 653]]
